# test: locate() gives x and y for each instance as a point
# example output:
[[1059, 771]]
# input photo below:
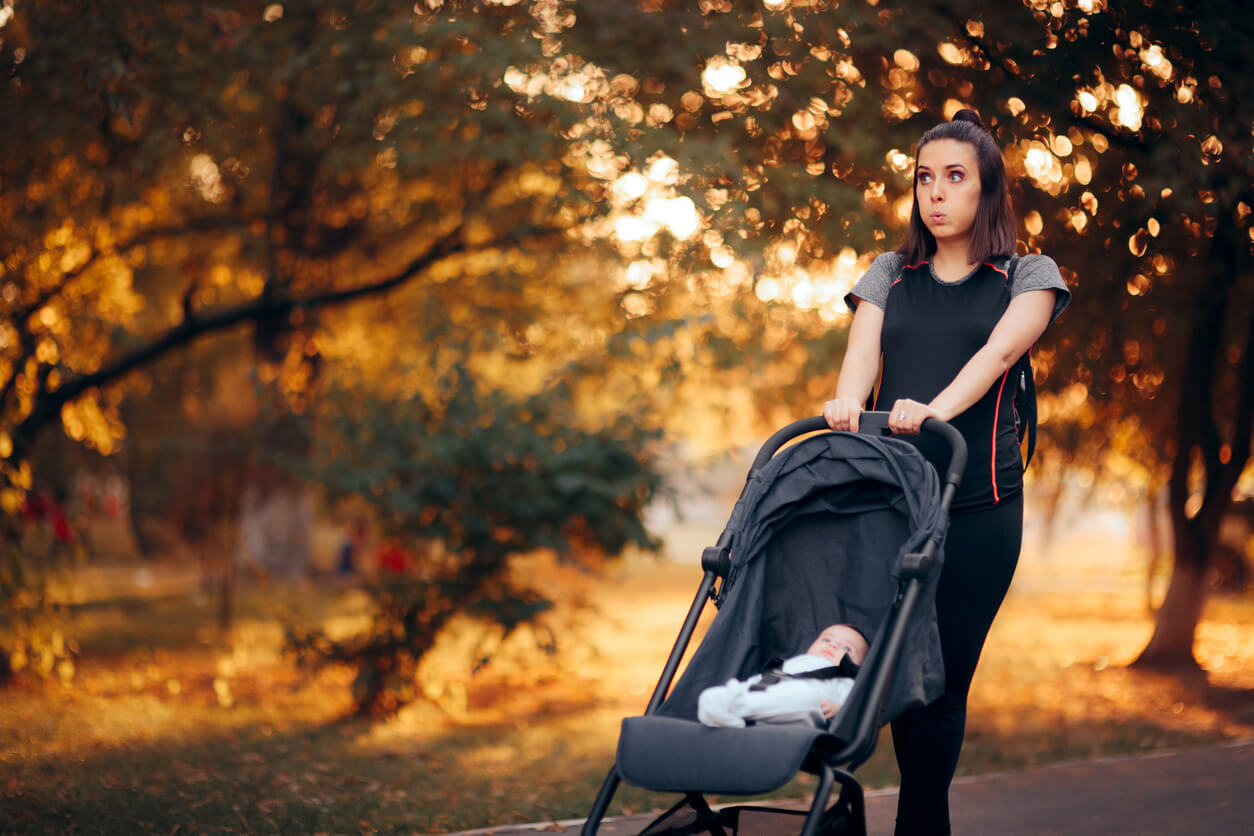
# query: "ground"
[[168, 726]]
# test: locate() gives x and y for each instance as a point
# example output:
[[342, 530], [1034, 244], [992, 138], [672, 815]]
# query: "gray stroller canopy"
[[817, 538]]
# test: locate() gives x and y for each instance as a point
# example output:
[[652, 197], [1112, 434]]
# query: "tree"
[[1163, 344], [1134, 171], [248, 168], [261, 166], [461, 489], [248, 171], [257, 166]]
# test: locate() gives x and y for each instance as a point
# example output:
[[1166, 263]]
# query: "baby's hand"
[[828, 708]]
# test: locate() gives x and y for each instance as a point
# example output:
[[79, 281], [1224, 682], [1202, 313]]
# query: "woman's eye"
[[955, 176]]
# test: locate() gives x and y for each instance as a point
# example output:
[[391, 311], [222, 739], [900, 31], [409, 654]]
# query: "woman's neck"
[[952, 260]]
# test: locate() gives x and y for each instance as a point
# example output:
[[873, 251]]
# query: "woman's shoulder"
[[889, 263], [1040, 272], [1036, 271], [1036, 262], [874, 283]]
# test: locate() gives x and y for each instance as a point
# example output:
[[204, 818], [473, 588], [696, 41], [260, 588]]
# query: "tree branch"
[[195, 225], [48, 404], [211, 224], [24, 354], [21, 317]]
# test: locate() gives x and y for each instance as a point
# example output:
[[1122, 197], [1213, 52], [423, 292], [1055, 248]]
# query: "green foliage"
[[1157, 236], [459, 482], [253, 167], [1125, 127], [36, 549], [244, 166], [1126, 130]]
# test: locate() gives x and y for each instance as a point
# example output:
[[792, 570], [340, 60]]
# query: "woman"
[[950, 323]]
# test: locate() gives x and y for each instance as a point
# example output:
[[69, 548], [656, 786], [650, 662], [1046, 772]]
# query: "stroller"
[[836, 528]]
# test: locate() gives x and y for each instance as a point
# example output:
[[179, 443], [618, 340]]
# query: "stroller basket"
[[837, 528]]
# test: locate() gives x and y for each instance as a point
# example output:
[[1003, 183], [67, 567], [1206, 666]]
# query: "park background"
[[372, 374]]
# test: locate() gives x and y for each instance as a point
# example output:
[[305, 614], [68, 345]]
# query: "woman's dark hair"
[[993, 230]]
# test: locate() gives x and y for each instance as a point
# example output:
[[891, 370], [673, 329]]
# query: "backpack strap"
[[1025, 392]]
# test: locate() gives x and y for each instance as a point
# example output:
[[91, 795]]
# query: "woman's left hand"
[[908, 416]]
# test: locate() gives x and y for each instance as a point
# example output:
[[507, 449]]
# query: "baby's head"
[[840, 640]]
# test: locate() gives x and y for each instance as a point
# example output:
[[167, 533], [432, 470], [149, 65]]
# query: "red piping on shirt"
[[996, 413], [905, 268], [998, 269]]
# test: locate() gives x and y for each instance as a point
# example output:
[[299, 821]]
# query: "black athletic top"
[[931, 329]]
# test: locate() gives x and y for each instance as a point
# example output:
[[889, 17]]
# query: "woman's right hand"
[[842, 414]]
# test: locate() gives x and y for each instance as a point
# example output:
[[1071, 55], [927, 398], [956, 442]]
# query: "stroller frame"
[[848, 813]]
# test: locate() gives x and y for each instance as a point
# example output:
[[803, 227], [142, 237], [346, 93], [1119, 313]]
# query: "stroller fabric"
[[818, 536]]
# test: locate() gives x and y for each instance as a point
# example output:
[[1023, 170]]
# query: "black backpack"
[[1025, 389]]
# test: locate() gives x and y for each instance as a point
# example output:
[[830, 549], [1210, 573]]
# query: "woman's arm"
[[1020, 326], [858, 370]]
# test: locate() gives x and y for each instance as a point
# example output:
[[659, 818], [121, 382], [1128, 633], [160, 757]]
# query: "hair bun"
[[968, 115]]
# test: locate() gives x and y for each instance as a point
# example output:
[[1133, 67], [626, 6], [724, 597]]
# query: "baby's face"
[[837, 641]]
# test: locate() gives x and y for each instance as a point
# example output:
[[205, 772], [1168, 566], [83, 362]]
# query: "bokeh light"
[[722, 76]]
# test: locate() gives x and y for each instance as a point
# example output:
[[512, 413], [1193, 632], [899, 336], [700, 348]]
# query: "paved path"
[[1190, 791]]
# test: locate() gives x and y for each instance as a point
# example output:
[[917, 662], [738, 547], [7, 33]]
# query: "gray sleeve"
[[1040, 272], [875, 282]]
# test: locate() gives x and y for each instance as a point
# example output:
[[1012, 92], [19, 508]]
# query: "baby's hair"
[[850, 626]]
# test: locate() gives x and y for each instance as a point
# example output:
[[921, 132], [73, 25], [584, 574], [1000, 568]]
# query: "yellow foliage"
[[10, 500], [87, 421]]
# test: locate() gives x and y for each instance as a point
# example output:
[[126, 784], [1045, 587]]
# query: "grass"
[[168, 727]]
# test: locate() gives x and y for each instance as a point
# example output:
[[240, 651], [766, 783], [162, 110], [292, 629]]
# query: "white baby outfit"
[[786, 701]]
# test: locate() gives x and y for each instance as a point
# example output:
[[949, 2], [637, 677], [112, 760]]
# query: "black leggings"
[[981, 552]]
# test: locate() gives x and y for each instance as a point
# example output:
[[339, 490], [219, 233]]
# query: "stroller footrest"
[[668, 754]]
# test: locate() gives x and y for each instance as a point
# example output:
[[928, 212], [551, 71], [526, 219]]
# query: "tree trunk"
[[1154, 544], [1197, 434], [137, 503], [9, 546], [226, 592], [1171, 645]]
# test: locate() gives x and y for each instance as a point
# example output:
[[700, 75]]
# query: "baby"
[[812, 688]]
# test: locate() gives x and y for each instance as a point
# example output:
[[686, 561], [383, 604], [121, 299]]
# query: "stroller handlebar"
[[876, 423], [873, 423]]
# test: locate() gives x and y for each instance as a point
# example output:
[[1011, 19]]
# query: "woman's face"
[[947, 188]]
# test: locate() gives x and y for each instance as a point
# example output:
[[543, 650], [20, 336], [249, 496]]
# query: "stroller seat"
[[837, 528], [668, 754]]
